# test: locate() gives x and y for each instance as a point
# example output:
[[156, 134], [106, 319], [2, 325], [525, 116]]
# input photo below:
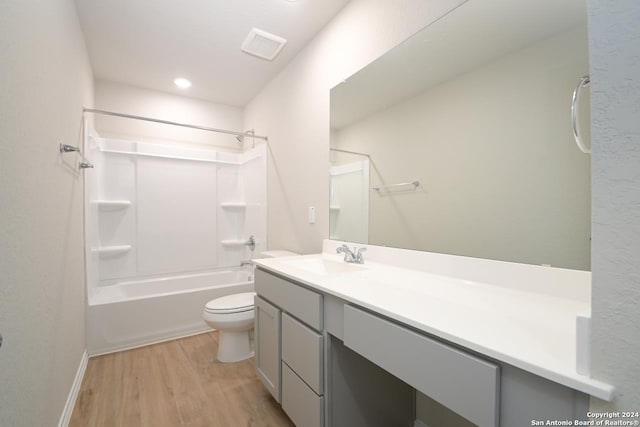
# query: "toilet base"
[[234, 346]]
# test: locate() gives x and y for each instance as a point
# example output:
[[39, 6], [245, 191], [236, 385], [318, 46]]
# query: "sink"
[[324, 267]]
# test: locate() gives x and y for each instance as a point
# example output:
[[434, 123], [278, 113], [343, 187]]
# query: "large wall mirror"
[[459, 140]]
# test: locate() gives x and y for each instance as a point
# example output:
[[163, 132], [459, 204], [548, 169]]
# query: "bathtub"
[[133, 313]]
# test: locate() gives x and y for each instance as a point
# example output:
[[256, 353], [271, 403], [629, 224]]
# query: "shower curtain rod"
[[167, 122]]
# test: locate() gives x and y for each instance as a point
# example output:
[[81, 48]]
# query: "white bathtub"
[[129, 314]]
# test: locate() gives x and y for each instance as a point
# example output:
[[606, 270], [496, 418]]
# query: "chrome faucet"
[[350, 256], [251, 242]]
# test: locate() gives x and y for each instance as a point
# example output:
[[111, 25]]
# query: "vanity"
[[342, 344], [454, 162]]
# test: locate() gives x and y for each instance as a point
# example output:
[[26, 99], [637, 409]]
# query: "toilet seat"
[[236, 303]]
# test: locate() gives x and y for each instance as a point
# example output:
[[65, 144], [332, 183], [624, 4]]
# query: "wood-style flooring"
[[173, 384]]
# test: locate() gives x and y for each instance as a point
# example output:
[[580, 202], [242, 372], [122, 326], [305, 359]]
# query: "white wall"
[[501, 176], [615, 95], [293, 110], [126, 99], [45, 79]]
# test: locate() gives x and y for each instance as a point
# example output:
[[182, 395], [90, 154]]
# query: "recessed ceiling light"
[[182, 83]]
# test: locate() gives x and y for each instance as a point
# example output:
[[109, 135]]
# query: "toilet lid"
[[235, 303]]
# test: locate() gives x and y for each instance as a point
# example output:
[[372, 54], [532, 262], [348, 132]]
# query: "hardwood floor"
[[177, 383]]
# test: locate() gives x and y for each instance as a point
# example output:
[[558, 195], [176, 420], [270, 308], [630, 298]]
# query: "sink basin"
[[325, 267]]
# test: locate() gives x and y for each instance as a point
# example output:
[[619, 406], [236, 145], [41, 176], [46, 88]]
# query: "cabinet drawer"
[[302, 349], [304, 407], [464, 383], [302, 303]]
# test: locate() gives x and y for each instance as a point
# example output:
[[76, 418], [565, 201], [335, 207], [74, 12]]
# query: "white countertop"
[[534, 331]]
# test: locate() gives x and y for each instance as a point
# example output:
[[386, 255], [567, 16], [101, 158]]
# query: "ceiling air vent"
[[262, 44]]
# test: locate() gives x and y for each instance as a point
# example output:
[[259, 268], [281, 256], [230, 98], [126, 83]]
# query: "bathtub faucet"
[[251, 242]]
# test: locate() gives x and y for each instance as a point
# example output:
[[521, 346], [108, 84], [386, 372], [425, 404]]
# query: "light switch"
[[312, 215]]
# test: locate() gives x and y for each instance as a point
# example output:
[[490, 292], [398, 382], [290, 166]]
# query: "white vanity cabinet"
[[332, 363], [299, 344]]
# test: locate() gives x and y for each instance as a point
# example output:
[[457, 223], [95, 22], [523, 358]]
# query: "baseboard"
[[150, 340], [73, 393], [418, 423]]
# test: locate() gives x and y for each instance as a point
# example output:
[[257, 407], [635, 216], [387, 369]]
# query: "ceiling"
[[148, 43]]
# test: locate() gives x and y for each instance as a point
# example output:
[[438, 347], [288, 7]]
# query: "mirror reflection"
[[459, 140]]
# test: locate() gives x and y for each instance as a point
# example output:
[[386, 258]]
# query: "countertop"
[[533, 331]]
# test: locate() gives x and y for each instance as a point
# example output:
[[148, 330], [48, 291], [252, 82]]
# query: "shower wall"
[[156, 211], [349, 201]]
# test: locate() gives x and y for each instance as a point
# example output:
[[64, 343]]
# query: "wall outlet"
[[312, 215]]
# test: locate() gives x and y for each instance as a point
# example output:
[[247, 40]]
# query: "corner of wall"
[[615, 85]]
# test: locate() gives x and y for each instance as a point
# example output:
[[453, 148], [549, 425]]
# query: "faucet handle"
[[359, 257], [251, 242]]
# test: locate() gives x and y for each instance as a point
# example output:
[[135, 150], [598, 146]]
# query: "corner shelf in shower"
[[109, 251], [233, 205], [334, 208], [112, 205], [233, 243]]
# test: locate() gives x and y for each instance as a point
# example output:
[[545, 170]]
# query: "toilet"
[[232, 315]]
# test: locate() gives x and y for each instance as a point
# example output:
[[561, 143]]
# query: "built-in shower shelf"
[[233, 205], [334, 208], [112, 205], [108, 251], [233, 243]]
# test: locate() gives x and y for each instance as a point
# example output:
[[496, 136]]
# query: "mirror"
[[459, 140]]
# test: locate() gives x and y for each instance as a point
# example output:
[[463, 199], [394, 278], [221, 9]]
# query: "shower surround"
[[166, 231]]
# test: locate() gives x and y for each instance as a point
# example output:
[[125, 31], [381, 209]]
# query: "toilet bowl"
[[232, 316]]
